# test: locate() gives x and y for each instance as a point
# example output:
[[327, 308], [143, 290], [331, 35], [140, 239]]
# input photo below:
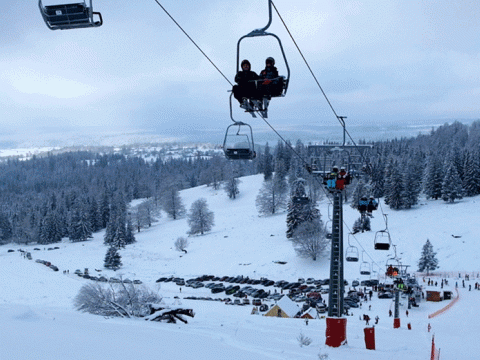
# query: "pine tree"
[[471, 179], [200, 218], [268, 164], [130, 237], [433, 177], [112, 259], [394, 188], [452, 184], [300, 207], [428, 260], [80, 227]]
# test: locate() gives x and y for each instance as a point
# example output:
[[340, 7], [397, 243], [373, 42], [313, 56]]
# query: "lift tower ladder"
[[337, 287]]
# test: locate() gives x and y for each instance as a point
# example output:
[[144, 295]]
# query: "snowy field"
[[38, 321]]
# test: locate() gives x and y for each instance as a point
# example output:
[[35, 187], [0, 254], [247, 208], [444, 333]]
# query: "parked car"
[[11, 250], [355, 283], [217, 289], [385, 295], [257, 302], [197, 285], [53, 267], [237, 302], [137, 282], [246, 301], [321, 308]]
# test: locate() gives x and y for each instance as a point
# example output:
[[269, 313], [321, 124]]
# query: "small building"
[[310, 313], [433, 295], [285, 308]]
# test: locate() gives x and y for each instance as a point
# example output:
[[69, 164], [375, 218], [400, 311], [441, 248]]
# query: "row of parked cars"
[[86, 275], [47, 263]]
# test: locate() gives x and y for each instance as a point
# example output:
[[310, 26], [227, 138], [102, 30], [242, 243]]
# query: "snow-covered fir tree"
[[452, 184], [266, 163], [112, 259], [300, 207], [130, 236], [433, 177], [200, 218], [80, 227], [428, 261], [394, 187], [471, 178]]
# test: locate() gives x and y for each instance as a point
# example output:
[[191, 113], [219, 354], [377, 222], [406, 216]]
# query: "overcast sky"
[[378, 61]]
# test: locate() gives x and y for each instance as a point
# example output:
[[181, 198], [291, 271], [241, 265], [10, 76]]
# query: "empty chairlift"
[[382, 240], [238, 142], [70, 16], [364, 267], [351, 254]]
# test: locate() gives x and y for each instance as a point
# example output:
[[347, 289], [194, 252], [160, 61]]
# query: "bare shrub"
[[181, 244], [304, 340], [122, 300]]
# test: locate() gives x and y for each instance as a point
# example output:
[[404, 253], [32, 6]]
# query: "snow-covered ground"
[[38, 321]]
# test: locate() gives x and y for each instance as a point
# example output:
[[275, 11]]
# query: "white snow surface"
[[38, 320]]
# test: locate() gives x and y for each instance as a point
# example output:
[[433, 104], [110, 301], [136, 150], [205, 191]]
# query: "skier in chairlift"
[[363, 204], [245, 89], [372, 205]]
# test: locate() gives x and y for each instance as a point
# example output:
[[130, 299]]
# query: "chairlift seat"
[[239, 154], [69, 16], [351, 258], [382, 246], [351, 254]]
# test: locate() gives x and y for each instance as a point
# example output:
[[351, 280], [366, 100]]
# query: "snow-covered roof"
[[288, 306]]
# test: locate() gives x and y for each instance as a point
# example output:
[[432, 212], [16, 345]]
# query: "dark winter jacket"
[[270, 72], [243, 77]]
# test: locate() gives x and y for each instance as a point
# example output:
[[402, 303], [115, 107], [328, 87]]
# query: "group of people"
[[367, 205], [337, 179], [252, 87]]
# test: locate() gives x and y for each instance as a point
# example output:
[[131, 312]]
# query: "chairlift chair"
[[70, 16], [365, 267], [239, 145], [282, 81], [351, 254], [382, 240]]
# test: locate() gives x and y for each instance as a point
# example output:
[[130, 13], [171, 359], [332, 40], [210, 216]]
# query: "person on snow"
[[245, 88]]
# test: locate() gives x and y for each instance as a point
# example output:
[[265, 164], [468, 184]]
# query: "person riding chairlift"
[[342, 179], [371, 206], [245, 90], [331, 178], [270, 86], [363, 204]]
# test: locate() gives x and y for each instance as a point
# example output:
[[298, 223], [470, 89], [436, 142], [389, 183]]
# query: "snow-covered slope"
[[38, 320]]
